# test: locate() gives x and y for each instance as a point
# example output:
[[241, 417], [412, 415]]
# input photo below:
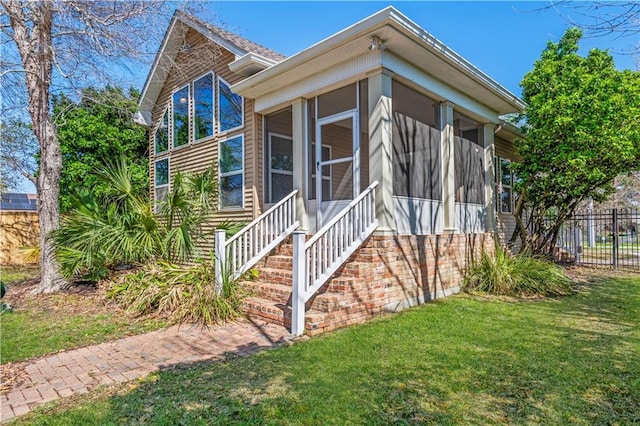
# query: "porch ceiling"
[[401, 37]]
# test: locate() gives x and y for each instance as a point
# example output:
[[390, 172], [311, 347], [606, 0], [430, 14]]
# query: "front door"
[[337, 168]]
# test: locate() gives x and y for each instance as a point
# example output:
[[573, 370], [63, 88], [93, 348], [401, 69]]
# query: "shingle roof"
[[240, 42]]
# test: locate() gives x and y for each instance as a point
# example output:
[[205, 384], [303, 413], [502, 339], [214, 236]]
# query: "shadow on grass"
[[457, 361]]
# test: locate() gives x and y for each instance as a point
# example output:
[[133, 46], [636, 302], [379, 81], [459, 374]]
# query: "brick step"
[[275, 275], [277, 313], [356, 270], [281, 294], [279, 261], [342, 284], [278, 293]]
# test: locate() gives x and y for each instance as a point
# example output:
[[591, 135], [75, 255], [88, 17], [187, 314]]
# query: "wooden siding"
[[205, 56], [505, 149]]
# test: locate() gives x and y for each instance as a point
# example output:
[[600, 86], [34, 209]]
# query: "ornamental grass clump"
[[503, 273], [180, 293]]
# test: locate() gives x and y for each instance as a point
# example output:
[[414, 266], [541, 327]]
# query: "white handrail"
[[315, 261], [242, 251]]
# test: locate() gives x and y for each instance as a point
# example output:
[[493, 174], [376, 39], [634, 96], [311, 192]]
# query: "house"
[[365, 164]]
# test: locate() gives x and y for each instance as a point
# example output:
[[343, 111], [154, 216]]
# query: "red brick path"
[[80, 370]]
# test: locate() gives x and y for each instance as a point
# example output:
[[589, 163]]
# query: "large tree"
[[70, 43], [581, 127], [99, 126]]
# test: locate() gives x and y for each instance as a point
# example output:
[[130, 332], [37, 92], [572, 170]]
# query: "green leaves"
[[97, 127], [581, 129], [105, 231]]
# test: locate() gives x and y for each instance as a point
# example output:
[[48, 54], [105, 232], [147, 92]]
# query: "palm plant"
[[99, 234]]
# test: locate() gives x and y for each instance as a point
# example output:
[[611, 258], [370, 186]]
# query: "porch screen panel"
[[416, 145], [339, 137], [469, 171]]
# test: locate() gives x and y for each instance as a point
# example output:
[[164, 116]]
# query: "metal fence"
[[605, 238]]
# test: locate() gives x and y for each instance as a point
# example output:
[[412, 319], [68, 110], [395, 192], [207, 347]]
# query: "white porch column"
[[380, 147], [448, 168], [300, 162], [488, 131]]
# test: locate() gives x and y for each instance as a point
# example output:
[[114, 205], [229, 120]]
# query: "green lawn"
[[42, 324], [463, 360], [33, 332]]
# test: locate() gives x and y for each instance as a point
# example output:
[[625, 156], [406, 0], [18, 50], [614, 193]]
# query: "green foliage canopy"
[[582, 130], [97, 128]]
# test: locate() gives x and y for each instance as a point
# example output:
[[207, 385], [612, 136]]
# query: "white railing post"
[[220, 257], [299, 283]]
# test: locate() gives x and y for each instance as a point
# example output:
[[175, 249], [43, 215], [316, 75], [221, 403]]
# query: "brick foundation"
[[387, 274]]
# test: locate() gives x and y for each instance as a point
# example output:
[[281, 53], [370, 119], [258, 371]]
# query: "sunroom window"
[[181, 117], [231, 160], [161, 137], [161, 180], [230, 108], [203, 107]]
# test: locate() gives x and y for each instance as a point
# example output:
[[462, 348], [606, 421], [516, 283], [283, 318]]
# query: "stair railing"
[[316, 260], [242, 251]]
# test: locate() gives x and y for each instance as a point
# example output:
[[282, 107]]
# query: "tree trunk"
[[36, 51]]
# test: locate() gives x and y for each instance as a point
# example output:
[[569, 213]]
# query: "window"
[[161, 174], [181, 117], [161, 137], [505, 185], [203, 107], [280, 166], [230, 108], [326, 173], [231, 160]]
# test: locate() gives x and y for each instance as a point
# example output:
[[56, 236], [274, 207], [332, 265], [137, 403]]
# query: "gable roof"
[[180, 23]]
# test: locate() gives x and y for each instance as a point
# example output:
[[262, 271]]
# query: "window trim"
[[218, 109], [277, 171], [189, 118], [222, 174], [156, 186], [192, 110]]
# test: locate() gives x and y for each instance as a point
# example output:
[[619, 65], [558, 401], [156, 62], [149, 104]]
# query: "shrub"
[[503, 273], [102, 233], [179, 293]]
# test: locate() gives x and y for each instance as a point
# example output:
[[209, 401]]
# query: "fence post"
[[577, 241], [615, 238], [220, 257], [299, 283]]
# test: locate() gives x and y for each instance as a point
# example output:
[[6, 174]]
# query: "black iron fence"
[[605, 238]]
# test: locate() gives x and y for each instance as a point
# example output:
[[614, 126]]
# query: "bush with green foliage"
[[98, 126], [504, 273], [105, 232], [181, 293]]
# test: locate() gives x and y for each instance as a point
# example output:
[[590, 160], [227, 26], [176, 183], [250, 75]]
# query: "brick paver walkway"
[[80, 370]]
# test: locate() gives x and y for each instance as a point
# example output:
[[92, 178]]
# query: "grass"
[[43, 324], [462, 360], [13, 274]]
